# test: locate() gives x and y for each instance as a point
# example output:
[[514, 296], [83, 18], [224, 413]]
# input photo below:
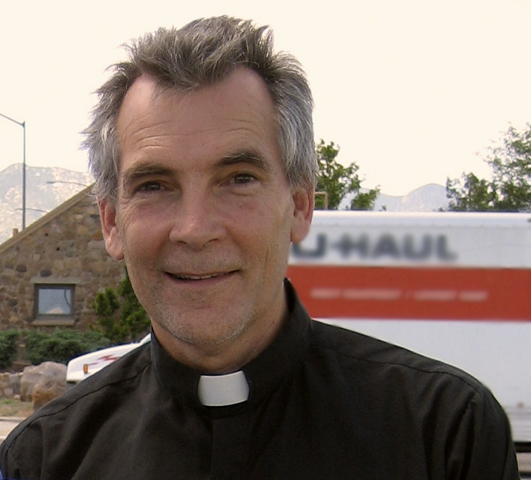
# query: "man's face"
[[204, 214]]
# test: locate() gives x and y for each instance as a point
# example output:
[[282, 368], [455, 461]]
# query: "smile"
[[195, 278]]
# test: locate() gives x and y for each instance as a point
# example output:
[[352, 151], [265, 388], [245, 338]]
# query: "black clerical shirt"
[[323, 403]]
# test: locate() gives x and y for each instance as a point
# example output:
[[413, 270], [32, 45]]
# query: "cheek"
[[277, 247], [141, 238]]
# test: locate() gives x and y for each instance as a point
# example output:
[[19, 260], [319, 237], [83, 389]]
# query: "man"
[[202, 150]]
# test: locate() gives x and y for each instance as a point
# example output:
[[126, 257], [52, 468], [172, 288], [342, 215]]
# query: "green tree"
[[121, 318], [8, 347], [337, 181], [509, 189], [106, 305], [472, 195], [133, 316]]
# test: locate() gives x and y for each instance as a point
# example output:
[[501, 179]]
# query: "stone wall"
[[63, 247]]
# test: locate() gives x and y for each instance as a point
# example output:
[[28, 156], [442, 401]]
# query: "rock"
[[30, 376], [4, 377], [9, 384], [47, 380], [14, 382], [43, 393]]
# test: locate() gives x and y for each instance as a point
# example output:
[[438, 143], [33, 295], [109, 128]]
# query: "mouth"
[[185, 277]]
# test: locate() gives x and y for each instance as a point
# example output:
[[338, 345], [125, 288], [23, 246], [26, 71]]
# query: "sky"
[[413, 91]]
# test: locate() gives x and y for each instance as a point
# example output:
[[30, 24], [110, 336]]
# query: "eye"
[[151, 186], [243, 178]]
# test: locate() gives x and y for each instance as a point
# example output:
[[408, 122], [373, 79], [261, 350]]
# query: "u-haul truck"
[[453, 286]]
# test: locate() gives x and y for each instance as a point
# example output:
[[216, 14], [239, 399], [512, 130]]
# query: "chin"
[[194, 331]]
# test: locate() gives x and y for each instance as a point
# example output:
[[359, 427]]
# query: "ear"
[[303, 202], [111, 232]]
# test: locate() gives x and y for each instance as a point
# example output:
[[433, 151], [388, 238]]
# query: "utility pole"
[[23, 125]]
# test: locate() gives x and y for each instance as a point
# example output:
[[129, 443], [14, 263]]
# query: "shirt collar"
[[263, 375]]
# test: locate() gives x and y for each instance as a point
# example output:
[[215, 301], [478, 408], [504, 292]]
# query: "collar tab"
[[223, 390]]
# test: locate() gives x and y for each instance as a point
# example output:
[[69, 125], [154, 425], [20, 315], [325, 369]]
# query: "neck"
[[228, 356]]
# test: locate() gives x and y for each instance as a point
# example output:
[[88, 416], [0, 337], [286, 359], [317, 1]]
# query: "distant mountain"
[[47, 188], [429, 198]]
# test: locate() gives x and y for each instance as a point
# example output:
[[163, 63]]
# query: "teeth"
[[196, 277]]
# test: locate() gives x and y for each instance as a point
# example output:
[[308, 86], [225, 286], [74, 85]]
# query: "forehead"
[[242, 99]]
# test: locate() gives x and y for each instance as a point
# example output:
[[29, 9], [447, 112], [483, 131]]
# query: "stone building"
[[51, 272]]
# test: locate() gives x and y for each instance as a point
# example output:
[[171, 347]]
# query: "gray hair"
[[200, 54]]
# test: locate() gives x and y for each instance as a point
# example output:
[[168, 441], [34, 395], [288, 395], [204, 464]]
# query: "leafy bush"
[[106, 305], [8, 347], [62, 345], [121, 318]]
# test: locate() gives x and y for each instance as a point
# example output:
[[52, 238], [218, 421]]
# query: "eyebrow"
[[133, 174], [244, 157]]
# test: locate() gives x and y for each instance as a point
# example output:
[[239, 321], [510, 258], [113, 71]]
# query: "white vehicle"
[[88, 364], [452, 286]]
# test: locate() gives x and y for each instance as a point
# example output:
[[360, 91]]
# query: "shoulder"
[[387, 378], [125, 371], [412, 402], [78, 403], [383, 365]]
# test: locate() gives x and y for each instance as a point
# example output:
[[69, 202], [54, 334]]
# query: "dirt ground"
[[15, 408]]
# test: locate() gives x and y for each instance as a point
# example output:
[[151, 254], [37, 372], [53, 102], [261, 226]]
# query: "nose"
[[196, 220]]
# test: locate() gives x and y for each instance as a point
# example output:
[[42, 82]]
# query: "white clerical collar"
[[223, 390]]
